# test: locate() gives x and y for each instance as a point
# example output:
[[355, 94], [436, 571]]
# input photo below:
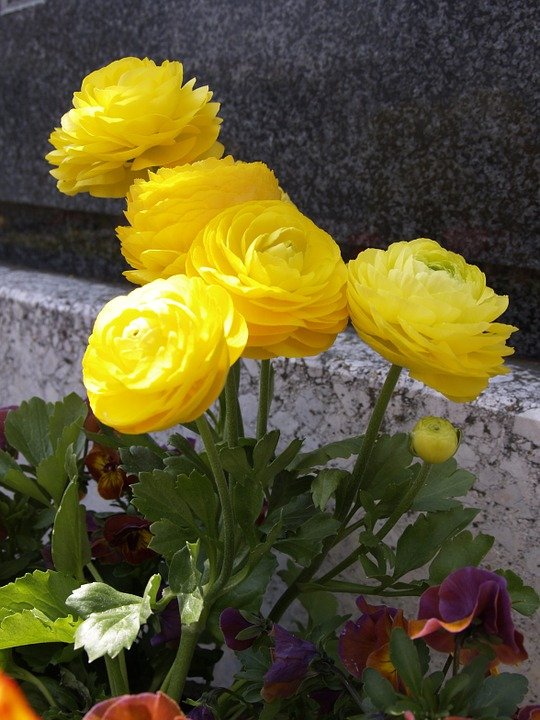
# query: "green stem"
[[94, 572], [343, 565], [458, 641], [347, 685], [20, 673], [225, 501], [231, 409], [265, 389], [173, 685], [116, 674], [370, 437], [406, 500], [361, 464], [339, 586]]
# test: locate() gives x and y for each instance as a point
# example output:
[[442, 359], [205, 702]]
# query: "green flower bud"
[[434, 439]]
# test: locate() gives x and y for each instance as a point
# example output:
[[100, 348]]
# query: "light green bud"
[[434, 439]]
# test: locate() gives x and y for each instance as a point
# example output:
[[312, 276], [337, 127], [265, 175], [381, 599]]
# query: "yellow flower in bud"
[[167, 211], [424, 308], [160, 355], [129, 116], [285, 275], [434, 439]]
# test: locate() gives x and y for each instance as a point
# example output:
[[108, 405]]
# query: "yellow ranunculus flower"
[[160, 355], [127, 117], [434, 439], [424, 308], [285, 275], [167, 211]]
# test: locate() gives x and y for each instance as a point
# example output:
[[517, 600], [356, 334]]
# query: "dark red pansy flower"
[[125, 537], [232, 622], [326, 698], [3, 415], [291, 660], [103, 464], [365, 642], [145, 706], [474, 603]]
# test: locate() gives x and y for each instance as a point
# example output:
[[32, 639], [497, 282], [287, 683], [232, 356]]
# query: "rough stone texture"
[[384, 120], [45, 320]]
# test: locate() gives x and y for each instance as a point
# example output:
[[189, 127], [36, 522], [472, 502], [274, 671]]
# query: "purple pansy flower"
[[291, 658], [201, 712], [474, 602], [529, 712], [170, 626]]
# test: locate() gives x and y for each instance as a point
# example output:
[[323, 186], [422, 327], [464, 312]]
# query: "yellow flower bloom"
[[434, 439], [167, 211], [424, 308], [285, 275], [160, 355], [127, 117]]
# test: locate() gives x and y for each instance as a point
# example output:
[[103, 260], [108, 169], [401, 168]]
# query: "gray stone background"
[[383, 119]]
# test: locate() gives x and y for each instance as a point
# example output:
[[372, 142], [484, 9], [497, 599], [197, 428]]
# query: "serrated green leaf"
[[30, 627], [200, 495], [445, 481], [265, 449], [307, 541], [12, 477], [45, 591], [112, 618], [339, 449], [463, 550], [421, 540], [524, 598], [324, 485], [69, 544], [136, 460], [167, 538], [66, 420], [27, 430], [158, 498]]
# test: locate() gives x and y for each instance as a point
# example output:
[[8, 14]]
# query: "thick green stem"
[[406, 501], [231, 411], [173, 685], [116, 672], [225, 501], [265, 399]]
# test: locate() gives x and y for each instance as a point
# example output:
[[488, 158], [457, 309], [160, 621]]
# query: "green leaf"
[[266, 475], [340, 449], [444, 481], [406, 661], [378, 689], [184, 577], [463, 550], [167, 538], [307, 541], [191, 606], [30, 627], [199, 494], [524, 598], [500, 695], [247, 500], [12, 477], [66, 415], [137, 459], [265, 449], [325, 484], [45, 591], [421, 540], [27, 430], [112, 618], [158, 498], [389, 463], [70, 545]]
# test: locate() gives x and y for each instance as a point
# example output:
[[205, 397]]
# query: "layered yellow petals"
[[424, 308], [129, 116], [166, 212], [160, 355], [285, 275]]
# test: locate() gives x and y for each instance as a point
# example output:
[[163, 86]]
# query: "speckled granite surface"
[[45, 320], [384, 119]]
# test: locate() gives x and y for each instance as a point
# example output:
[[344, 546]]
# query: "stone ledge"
[[45, 320]]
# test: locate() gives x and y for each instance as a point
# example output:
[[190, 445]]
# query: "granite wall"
[[383, 119]]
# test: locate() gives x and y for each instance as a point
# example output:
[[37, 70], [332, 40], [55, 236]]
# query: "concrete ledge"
[[45, 320]]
